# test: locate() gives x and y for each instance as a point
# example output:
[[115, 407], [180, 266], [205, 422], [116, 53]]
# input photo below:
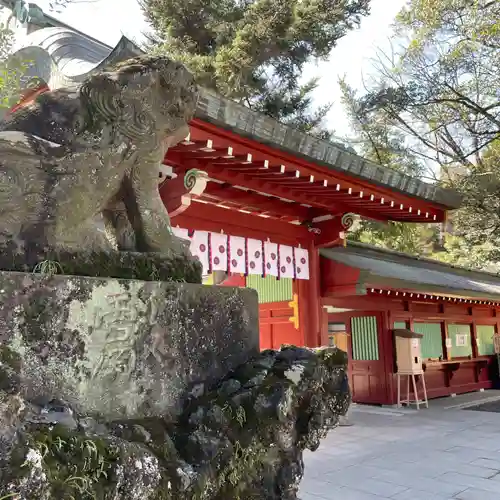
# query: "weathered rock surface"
[[240, 438], [120, 348]]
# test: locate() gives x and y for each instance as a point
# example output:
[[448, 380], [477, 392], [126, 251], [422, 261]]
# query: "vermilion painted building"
[[260, 202], [456, 310]]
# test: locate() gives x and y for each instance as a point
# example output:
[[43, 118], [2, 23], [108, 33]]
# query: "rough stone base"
[[242, 438], [120, 348]]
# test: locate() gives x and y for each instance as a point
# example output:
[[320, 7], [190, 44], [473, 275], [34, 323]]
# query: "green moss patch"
[[76, 467]]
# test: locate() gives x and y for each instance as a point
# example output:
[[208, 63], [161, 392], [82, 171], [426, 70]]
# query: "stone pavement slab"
[[433, 454]]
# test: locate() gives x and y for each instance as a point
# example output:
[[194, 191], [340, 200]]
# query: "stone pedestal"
[[122, 348], [126, 390]]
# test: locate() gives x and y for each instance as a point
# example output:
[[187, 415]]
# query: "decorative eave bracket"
[[177, 193], [332, 232]]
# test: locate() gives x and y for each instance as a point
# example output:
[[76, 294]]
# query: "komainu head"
[[148, 96]]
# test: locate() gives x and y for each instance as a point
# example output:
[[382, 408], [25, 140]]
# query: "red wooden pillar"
[[473, 339], [387, 345], [315, 296], [324, 327], [309, 292]]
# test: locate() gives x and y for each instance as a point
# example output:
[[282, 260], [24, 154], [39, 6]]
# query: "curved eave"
[[238, 159], [236, 118]]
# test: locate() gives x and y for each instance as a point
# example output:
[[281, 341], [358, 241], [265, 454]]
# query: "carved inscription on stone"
[[156, 345], [113, 331]]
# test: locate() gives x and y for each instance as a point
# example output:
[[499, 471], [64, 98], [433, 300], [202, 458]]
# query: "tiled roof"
[[395, 270]]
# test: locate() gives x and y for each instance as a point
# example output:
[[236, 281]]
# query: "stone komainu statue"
[[79, 166]]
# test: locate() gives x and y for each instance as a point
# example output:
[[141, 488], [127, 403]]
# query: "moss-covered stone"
[[57, 463], [10, 358], [126, 265], [10, 370], [75, 465], [245, 445], [121, 348]]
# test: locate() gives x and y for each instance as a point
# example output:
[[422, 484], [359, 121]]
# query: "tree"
[[59, 5], [458, 251], [12, 70], [377, 140], [439, 88], [254, 51], [475, 236], [412, 239]]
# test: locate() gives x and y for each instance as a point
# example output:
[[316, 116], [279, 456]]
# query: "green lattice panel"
[[485, 335], [271, 289], [400, 325], [364, 336], [432, 341], [455, 332]]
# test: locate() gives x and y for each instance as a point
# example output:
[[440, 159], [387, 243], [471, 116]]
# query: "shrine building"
[[268, 207]]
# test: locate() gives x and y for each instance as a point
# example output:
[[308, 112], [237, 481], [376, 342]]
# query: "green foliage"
[[246, 461], [237, 414], [254, 51], [479, 220], [48, 267], [459, 251], [12, 70], [377, 140], [412, 239], [444, 92], [436, 99]]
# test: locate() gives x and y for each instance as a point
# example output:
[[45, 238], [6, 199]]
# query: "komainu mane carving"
[[79, 166]]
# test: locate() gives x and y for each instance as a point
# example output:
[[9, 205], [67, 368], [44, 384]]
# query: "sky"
[[108, 20]]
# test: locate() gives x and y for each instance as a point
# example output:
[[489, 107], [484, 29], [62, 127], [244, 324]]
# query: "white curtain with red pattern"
[[238, 255]]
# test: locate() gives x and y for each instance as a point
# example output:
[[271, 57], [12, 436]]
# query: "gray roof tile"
[[396, 270]]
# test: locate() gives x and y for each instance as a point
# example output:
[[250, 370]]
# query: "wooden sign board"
[[496, 343]]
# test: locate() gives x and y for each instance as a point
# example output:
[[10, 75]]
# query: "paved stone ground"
[[432, 454]]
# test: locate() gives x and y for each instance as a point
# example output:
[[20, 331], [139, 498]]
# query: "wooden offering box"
[[408, 352]]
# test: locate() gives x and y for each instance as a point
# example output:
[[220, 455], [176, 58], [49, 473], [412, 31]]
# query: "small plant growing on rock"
[[73, 464], [237, 414], [241, 416], [245, 462], [155, 274], [48, 267]]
